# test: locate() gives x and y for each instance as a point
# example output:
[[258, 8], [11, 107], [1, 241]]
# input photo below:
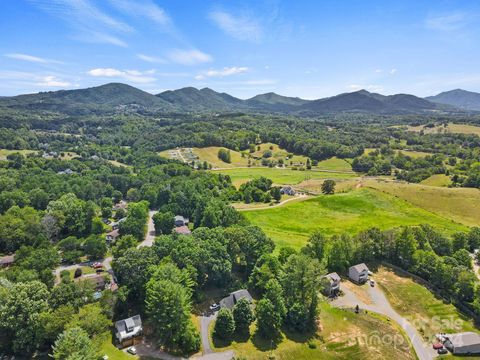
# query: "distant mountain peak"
[[460, 98]]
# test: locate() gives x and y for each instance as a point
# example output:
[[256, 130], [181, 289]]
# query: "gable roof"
[[184, 230], [333, 277], [464, 339], [359, 267], [230, 301]]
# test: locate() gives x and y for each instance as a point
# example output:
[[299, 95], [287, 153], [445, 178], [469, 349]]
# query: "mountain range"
[[119, 97]]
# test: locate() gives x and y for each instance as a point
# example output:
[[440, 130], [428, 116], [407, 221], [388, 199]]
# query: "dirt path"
[[281, 203], [379, 304], [265, 167]]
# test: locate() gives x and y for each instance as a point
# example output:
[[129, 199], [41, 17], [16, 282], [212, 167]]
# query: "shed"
[[466, 343]]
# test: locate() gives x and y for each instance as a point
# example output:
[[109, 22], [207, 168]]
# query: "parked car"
[[438, 346], [99, 270], [372, 283], [442, 351], [97, 265], [215, 307], [132, 350]]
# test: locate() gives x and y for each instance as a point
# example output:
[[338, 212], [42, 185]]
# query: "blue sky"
[[309, 49]]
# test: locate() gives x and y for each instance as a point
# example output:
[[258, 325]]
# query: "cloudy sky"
[[304, 48]]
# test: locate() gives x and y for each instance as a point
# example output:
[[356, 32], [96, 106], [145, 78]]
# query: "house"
[[230, 301], [332, 284], [116, 224], [183, 230], [287, 190], [121, 205], [128, 329], [112, 236], [7, 261], [66, 172], [358, 273], [466, 343], [180, 221]]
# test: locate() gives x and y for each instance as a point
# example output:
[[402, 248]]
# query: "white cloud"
[[146, 9], [136, 76], [226, 71], [189, 57], [30, 58], [371, 88], [378, 71], [393, 71], [89, 22], [151, 59], [239, 27], [447, 22], [52, 81]]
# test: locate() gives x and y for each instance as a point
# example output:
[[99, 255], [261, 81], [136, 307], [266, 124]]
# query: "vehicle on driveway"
[[132, 350], [442, 351], [372, 283], [215, 307], [97, 265], [438, 346]]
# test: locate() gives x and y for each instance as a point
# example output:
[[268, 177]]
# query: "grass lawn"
[[429, 314], [349, 212], [414, 154], [118, 164], [85, 270], [280, 176], [453, 128], [441, 180], [342, 335], [334, 163], [459, 204], [4, 152], [107, 348]]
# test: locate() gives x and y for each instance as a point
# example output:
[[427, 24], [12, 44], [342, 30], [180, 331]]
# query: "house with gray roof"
[[465, 343], [358, 273], [180, 221], [332, 284], [127, 329], [230, 301]]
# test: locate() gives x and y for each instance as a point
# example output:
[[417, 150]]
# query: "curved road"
[[381, 305]]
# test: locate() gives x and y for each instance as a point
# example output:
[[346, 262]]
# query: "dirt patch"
[[360, 291]]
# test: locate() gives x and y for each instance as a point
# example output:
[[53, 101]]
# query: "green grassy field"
[[459, 204], [4, 152], [280, 176], [342, 335], [453, 128], [349, 212], [441, 180], [334, 163], [429, 314]]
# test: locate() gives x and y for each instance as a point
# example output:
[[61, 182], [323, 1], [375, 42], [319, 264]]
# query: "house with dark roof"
[[466, 343], [358, 273], [287, 190], [180, 221], [127, 329], [332, 284], [230, 301]]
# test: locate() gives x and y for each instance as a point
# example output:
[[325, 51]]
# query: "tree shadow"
[[266, 344], [299, 337]]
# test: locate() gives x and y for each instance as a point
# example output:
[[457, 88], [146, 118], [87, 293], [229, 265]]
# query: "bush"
[[78, 272]]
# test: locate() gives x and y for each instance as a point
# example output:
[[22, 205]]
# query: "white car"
[[372, 283], [132, 350], [214, 307]]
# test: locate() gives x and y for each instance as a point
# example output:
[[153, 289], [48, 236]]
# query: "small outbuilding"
[[465, 343], [230, 301], [180, 221], [7, 261], [182, 230], [287, 190], [358, 273]]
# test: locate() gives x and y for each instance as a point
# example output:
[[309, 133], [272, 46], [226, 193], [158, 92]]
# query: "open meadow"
[[351, 212], [451, 127]]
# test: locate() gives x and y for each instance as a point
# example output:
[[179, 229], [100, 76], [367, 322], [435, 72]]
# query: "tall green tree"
[[164, 222], [268, 320], [74, 344], [243, 316], [224, 324]]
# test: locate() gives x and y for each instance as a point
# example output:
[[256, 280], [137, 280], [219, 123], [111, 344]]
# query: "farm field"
[[281, 176], [429, 314], [459, 204], [451, 127], [441, 180], [342, 336], [334, 164], [351, 212]]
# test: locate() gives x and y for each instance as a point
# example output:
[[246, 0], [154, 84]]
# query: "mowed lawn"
[[351, 212], [441, 180], [428, 313], [342, 335], [335, 164], [280, 176], [4, 152], [459, 204]]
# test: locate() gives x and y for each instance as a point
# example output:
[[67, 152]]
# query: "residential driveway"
[[380, 305], [205, 322], [150, 236]]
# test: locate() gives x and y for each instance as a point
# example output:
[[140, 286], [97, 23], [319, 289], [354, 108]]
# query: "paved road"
[[381, 305], [150, 235], [205, 322]]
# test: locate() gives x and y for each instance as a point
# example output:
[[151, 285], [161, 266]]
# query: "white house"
[[332, 284], [466, 343], [358, 273], [128, 328]]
